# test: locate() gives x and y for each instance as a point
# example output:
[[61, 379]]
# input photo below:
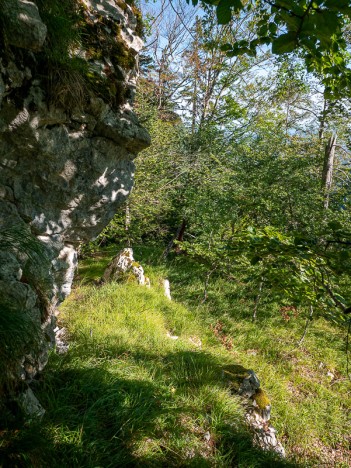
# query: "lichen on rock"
[[68, 138]]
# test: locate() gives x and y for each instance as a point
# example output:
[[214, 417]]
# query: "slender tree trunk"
[[207, 279], [322, 121], [308, 321], [287, 117], [196, 77], [328, 167], [194, 110], [179, 237]]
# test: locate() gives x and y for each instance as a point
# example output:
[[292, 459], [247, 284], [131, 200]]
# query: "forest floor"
[[128, 394]]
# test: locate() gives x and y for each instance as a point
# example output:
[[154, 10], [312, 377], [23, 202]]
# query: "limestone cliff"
[[68, 137]]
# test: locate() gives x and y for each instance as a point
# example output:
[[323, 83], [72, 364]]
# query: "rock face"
[[24, 16], [68, 137]]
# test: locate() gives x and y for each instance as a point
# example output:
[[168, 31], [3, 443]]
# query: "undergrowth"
[[128, 393]]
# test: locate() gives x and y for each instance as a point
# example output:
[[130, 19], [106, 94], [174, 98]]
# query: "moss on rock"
[[261, 398], [234, 374]]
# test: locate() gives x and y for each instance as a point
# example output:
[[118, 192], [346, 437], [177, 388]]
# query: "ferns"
[[18, 238]]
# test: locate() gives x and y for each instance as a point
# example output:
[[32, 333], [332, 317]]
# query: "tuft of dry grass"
[[67, 88]]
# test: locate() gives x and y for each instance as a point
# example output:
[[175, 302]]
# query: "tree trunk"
[[179, 237], [328, 167], [322, 118], [308, 321]]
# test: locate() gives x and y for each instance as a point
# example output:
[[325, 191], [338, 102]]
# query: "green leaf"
[[284, 43], [224, 13], [326, 25], [335, 225], [339, 298], [236, 4], [336, 3], [344, 255], [263, 30], [224, 10], [225, 47], [293, 23], [239, 51], [284, 4], [272, 28]]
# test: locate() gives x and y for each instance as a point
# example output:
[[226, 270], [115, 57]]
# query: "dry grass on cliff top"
[[126, 394]]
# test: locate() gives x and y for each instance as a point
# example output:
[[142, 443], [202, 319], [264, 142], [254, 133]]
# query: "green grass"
[[311, 409], [126, 394]]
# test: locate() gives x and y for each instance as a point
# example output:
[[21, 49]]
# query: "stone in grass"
[[172, 337], [167, 289], [246, 383], [240, 380], [61, 344], [264, 435], [249, 385], [123, 268], [30, 405], [258, 417]]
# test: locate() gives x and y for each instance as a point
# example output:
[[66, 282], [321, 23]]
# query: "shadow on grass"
[[96, 418]]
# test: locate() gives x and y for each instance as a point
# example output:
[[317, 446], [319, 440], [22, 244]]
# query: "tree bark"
[[322, 118], [179, 237], [308, 321], [328, 167]]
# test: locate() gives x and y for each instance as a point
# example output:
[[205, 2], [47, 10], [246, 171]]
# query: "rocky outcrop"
[[123, 268], [68, 138], [257, 407]]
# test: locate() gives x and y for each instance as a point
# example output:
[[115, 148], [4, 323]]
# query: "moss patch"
[[261, 398], [103, 38]]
